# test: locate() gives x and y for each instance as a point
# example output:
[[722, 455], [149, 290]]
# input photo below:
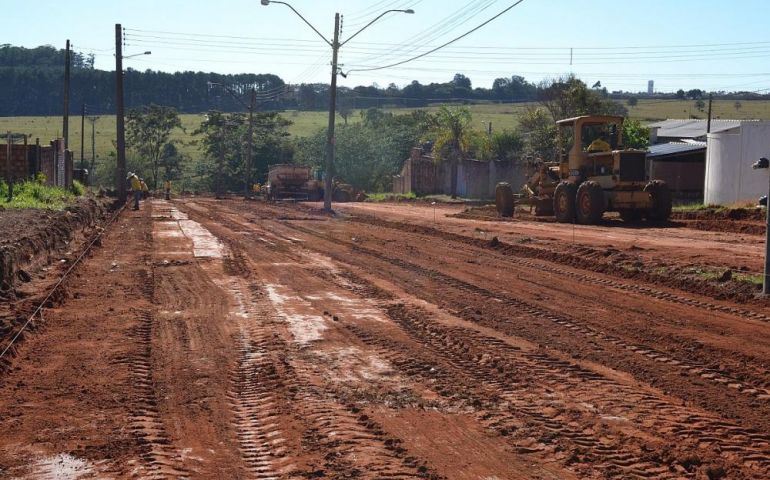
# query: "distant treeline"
[[32, 83]]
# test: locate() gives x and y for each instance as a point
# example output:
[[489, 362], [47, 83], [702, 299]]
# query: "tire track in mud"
[[721, 379], [522, 253], [274, 372], [498, 366], [533, 384], [160, 459]]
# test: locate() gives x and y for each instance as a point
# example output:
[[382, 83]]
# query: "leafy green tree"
[[507, 145], [680, 94], [570, 97], [538, 130], [451, 130], [226, 135], [738, 105], [700, 104], [632, 101], [148, 130], [635, 135], [369, 153]]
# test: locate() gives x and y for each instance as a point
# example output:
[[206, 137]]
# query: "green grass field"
[[502, 116]]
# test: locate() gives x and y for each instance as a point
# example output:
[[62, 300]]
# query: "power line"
[[444, 45]]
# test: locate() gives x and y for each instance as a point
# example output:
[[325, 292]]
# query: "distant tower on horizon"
[[650, 87]]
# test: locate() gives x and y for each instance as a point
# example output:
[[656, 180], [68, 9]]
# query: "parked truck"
[[296, 182], [590, 176]]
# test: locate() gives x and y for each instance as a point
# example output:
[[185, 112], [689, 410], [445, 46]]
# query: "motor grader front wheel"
[[564, 202], [504, 199], [590, 204], [661, 201]]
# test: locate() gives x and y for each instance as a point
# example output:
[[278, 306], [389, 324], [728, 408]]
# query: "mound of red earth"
[[36, 247]]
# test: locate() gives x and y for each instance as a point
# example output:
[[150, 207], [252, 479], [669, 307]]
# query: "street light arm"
[[137, 55], [375, 19], [303, 19]]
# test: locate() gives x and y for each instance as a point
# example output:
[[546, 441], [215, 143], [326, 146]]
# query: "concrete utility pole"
[[120, 171], [708, 122], [764, 164], [335, 44], [332, 113], [66, 126]]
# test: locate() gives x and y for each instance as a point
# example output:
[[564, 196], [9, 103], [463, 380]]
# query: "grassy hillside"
[[502, 116]]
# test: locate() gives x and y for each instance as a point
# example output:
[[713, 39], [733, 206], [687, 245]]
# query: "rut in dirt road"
[[621, 405], [231, 339]]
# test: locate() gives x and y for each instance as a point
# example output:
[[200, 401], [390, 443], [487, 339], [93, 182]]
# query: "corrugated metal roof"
[[673, 148], [691, 128]]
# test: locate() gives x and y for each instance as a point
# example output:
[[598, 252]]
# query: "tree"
[[695, 94], [632, 101], [148, 131], [635, 135], [506, 145], [738, 105], [226, 136], [570, 97], [680, 94], [700, 104], [539, 132], [172, 161], [451, 130]]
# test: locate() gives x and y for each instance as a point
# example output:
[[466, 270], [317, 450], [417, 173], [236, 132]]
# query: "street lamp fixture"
[[335, 44]]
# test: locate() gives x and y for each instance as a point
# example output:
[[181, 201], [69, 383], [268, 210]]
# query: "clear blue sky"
[[620, 46]]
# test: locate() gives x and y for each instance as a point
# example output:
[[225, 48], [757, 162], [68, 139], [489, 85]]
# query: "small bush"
[[78, 188]]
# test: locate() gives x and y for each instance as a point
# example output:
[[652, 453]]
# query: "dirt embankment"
[[36, 247]]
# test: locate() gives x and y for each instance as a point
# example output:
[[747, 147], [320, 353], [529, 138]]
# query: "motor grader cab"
[[596, 174]]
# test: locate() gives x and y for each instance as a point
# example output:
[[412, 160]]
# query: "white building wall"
[[730, 154]]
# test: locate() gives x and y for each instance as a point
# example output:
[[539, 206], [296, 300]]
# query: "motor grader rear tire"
[[661, 201], [504, 199], [564, 202], [590, 204]]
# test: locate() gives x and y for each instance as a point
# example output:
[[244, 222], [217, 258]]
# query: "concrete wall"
[[475, 179], [27, 160]]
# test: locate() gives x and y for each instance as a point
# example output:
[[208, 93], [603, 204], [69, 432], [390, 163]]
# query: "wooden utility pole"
[[250, 148], [82, 135], [66, 126], [330, 141], [8, 178], [221, 165], [93, 120], [120, 171]]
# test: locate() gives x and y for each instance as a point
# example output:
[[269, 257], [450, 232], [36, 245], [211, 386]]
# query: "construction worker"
[[167, 188], [599, 145], [145, 190], [136, 188]]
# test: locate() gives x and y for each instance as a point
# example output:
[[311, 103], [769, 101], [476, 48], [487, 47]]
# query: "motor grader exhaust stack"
[[592, 174]]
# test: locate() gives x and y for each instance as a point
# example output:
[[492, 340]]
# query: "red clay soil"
[[232, 339]]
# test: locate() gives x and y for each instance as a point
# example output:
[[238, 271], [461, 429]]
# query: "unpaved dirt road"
[[232, 339]]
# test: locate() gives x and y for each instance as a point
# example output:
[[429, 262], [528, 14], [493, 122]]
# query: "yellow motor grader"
[[592, 174]]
